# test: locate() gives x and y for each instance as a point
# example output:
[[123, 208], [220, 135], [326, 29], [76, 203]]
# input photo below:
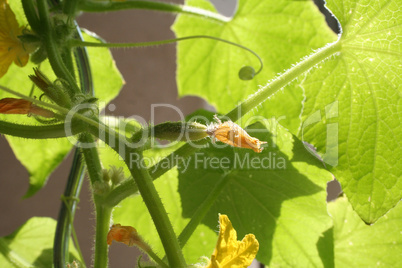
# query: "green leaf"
[[133, 212], [353, 109], [107, 79], [31, 245], [39, 157], [356, 244], [280, 32], [16, 7], [278, 195]]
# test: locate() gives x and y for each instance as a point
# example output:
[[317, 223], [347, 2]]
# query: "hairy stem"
[[37, 132], [158, 213], [31, 15], [52, 50], [282, 80], [103, 215], [91, 157]]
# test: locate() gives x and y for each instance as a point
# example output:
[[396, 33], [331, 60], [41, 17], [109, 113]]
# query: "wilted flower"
[[21, 106], [124, 234], [232, 134]]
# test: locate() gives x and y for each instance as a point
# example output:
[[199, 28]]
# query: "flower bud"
[[101, 187], [55, 92], [105, 175], [116, 175]]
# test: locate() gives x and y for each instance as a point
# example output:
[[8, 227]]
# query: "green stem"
[[91, 157], [78, 43], [31, 15], [282, 80], [69, 8], [36, 132], [155, 257], [67, 212], [120, 192], [77, 245], [156, 209], [96, 6], [65, 55], [103, 215], [72, 192], [52, 50], [82, 61]]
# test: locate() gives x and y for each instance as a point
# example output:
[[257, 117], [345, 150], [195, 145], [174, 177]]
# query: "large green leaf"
[[356, 244], [31, 245], [278, 195], [280, 32], [41, 157], [353, 106]]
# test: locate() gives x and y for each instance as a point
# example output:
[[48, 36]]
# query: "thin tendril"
[[77, 43]]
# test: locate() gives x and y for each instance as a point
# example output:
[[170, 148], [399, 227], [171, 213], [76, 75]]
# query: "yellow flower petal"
[[230, 253], [11, 48]]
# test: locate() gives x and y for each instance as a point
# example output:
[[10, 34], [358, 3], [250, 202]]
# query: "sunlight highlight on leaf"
[[352, 112], [280, 32]]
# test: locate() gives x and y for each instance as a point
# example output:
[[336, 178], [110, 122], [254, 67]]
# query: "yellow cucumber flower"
[[230, 253], [11, 48]]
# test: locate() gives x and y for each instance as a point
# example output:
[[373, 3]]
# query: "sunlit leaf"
[[280, 32], [353, 106], [355, 244]]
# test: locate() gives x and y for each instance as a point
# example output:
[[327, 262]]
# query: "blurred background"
[[150, 79]]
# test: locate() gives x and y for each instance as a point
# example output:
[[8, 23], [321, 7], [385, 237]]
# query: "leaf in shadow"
[[268, 194]]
